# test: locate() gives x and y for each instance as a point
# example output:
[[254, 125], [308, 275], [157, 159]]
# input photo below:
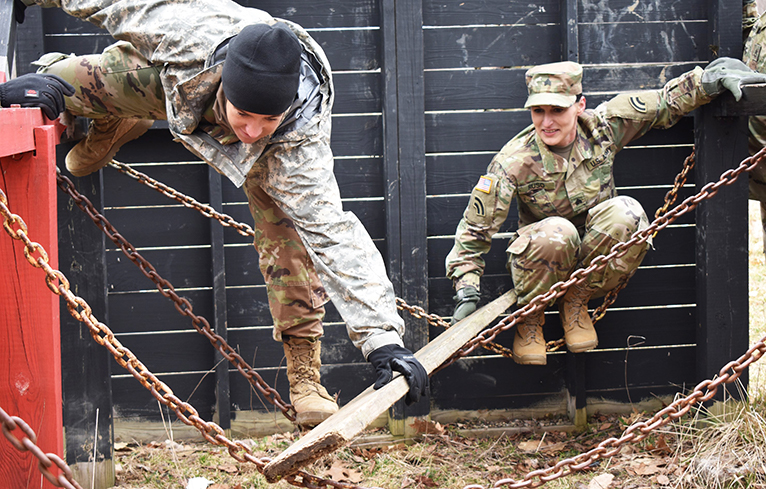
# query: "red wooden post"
[[30, 352]]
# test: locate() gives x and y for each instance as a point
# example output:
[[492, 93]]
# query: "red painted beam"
[[30, 351]]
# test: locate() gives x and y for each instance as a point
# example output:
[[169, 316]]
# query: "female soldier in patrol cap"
[[559, 169]]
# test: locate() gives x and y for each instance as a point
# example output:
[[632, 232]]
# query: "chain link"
[[28, 443], [416, 311], [104, 336], [578, 276], [181, 303], [704, 391]]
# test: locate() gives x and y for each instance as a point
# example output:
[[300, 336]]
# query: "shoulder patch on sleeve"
[[486, 184], [637, 106], [483, 199]]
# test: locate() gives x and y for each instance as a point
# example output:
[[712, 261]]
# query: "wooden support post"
[[722, 283], [576, 400], [404, 133], [349, 421], [575, 381], [223, 403], [570, 39], [30, 349], [721, 237], [87, 385]]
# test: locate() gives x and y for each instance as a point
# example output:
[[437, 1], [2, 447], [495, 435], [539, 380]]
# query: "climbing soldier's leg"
[[296, 299], [610, 222], [119, 89], [543, 253]]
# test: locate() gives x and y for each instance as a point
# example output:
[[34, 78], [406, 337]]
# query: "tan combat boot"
[[579, 332], [105, 137], [529, 342], [309, 398]]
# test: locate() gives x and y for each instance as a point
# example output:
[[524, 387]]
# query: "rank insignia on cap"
[[485, 184], [638, 104], [31, 94]]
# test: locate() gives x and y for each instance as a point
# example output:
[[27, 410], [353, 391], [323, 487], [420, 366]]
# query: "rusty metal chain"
[[80, 310], [578, 276], [206, 210], [181, 303], [28, 443], [670, 199], [436, 320], [247, 230], [680, 181], [704, 391]]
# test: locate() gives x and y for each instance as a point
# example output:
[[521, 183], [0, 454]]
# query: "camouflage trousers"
[[121, 82], [754, 55], [548, 251]]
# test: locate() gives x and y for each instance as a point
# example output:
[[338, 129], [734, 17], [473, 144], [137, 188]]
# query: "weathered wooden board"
[[341, 427]]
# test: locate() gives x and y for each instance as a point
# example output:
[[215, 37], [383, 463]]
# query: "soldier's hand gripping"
[[37, 90], [390, 358], [466, 300], [729, 74]]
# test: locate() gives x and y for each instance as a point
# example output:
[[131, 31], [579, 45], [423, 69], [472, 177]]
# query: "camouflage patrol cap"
[[554, 84]]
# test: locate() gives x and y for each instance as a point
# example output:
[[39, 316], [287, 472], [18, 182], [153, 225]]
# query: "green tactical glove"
[[466, 300], [729, 74]]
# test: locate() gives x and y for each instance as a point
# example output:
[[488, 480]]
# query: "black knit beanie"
[[262, 69]]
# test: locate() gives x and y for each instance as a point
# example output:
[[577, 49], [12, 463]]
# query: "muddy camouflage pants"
[[121, 82], [548, 251]]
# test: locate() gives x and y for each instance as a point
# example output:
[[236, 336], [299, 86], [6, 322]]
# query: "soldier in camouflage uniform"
[[559, 169], [754, 55], [217, 72]]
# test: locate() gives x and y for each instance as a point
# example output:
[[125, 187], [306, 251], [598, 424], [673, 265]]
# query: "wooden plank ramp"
[[340, 428]]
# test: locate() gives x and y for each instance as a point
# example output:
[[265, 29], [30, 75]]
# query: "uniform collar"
[[552, 163]]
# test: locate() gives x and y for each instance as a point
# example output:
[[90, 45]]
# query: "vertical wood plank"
[[576, 400], [570, 49], [391, 142], [87, 377], [725, 28], [721, 238], [223, 403], [721, 242], [30, 347], [412, 167]]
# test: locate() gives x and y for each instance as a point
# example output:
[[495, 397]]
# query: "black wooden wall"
[[427, 92]]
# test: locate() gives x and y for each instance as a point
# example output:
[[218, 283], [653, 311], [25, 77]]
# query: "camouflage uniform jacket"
[[182, 36], [546, 185]]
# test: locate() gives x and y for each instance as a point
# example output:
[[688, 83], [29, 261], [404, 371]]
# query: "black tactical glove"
[[18, 11], [466, 301], [388, 358], [37, 90], [729, 74]]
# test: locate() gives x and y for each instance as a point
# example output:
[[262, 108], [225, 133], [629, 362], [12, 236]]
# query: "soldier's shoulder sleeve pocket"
[[640, 106], [483, 200]]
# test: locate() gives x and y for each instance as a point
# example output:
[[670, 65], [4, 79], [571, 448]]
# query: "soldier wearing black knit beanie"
[[262, 69]]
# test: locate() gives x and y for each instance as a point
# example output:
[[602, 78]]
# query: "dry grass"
[[707, 450], [757, 278]]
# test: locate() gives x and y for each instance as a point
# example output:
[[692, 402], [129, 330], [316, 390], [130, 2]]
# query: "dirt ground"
[[725, 449], [444, 457]]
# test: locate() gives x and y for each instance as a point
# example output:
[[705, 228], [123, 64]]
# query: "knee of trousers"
[[542, 254], [618, 218], [554, 239]]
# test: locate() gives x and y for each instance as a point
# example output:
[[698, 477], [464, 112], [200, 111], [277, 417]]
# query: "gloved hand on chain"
[[390, 358], [466, 300], [729, 74], [37, 90]]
